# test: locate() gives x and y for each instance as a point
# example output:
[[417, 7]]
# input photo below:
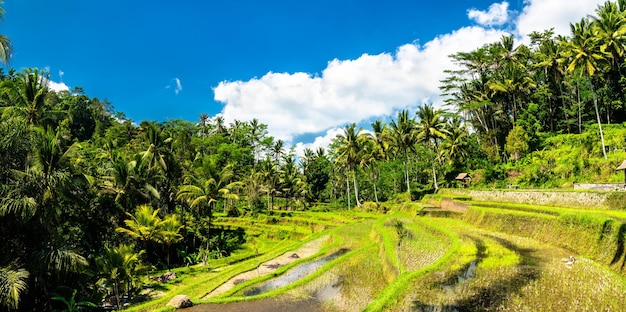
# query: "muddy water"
[[293, 275]]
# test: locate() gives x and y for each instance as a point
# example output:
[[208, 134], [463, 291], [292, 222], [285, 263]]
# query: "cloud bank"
[[371, 86]]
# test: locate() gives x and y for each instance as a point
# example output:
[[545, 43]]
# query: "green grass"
[[512, 274], [392, 292]]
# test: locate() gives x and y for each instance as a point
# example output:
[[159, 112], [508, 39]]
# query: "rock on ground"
[[180, 301]]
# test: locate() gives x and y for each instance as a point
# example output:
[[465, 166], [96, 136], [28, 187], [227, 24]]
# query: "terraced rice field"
[[398, 262]]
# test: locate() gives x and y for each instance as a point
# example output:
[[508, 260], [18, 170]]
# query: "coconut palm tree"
[[270, 177], [431, 128], [402, 136], [5, 43], [586, 56], [25, 98], [351, 142]]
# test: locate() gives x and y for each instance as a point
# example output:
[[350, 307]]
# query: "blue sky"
[[303, 67]]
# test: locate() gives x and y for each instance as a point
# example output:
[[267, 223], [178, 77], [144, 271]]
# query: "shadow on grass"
[[489, 298], [619, 252]]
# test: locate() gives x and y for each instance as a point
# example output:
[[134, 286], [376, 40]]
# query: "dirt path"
[[270, 266]]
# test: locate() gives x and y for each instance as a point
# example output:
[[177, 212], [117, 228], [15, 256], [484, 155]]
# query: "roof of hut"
[[465, 175], [622, 166]]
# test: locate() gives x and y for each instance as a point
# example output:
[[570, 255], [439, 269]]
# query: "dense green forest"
[[91, 200]]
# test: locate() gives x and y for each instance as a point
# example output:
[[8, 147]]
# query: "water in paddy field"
[[293, 274]]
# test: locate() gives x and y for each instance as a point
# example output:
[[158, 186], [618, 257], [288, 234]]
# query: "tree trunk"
[[406, 174], [356, 190], [374, 180], [348, 189], [595, 104], [434, 171]]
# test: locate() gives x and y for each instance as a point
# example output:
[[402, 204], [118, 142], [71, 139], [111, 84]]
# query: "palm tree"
[[5, 43], [371, 155], [251, 186], [127, 181], [610, 28], [25, 96], [430, 128], [402, 136], [456, 144], [349, 152], [270, 177], [119, 267], [278, 151], [144, 225], [170, 226], [549, 58], [13, 283], [586, 54]]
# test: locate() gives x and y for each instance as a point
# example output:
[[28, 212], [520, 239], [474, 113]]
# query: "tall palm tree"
[[270, 177], [278, 150], [349, 152], [610, 28], [5, 43], [25, 97], [170, 226], [585, 57], [455, 146], [431, 128], [402, 136]]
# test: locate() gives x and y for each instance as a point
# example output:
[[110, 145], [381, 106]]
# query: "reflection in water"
[[293, 274]]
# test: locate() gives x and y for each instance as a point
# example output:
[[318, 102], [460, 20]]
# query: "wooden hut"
[[464, 178]]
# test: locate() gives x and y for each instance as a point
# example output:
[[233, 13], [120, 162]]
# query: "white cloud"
[[176, 85], [320, 141], [540, 15], [347, 90], [497, 15], [57, 86]]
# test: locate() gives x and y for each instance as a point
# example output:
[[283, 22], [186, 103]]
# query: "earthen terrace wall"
[[574, 199]]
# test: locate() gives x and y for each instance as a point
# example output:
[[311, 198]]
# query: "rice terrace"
[[503, 190], [492, 257]]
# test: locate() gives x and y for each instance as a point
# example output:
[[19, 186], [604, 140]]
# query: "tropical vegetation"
[[91, 202]]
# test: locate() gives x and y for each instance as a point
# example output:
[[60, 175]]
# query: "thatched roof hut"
[[464, 178]]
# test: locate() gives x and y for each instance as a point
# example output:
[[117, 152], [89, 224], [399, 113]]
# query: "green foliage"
[[71, 304], [13, 283], [517, 143]]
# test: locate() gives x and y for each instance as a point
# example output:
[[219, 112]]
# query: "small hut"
[[622, 167], [464, 178]]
